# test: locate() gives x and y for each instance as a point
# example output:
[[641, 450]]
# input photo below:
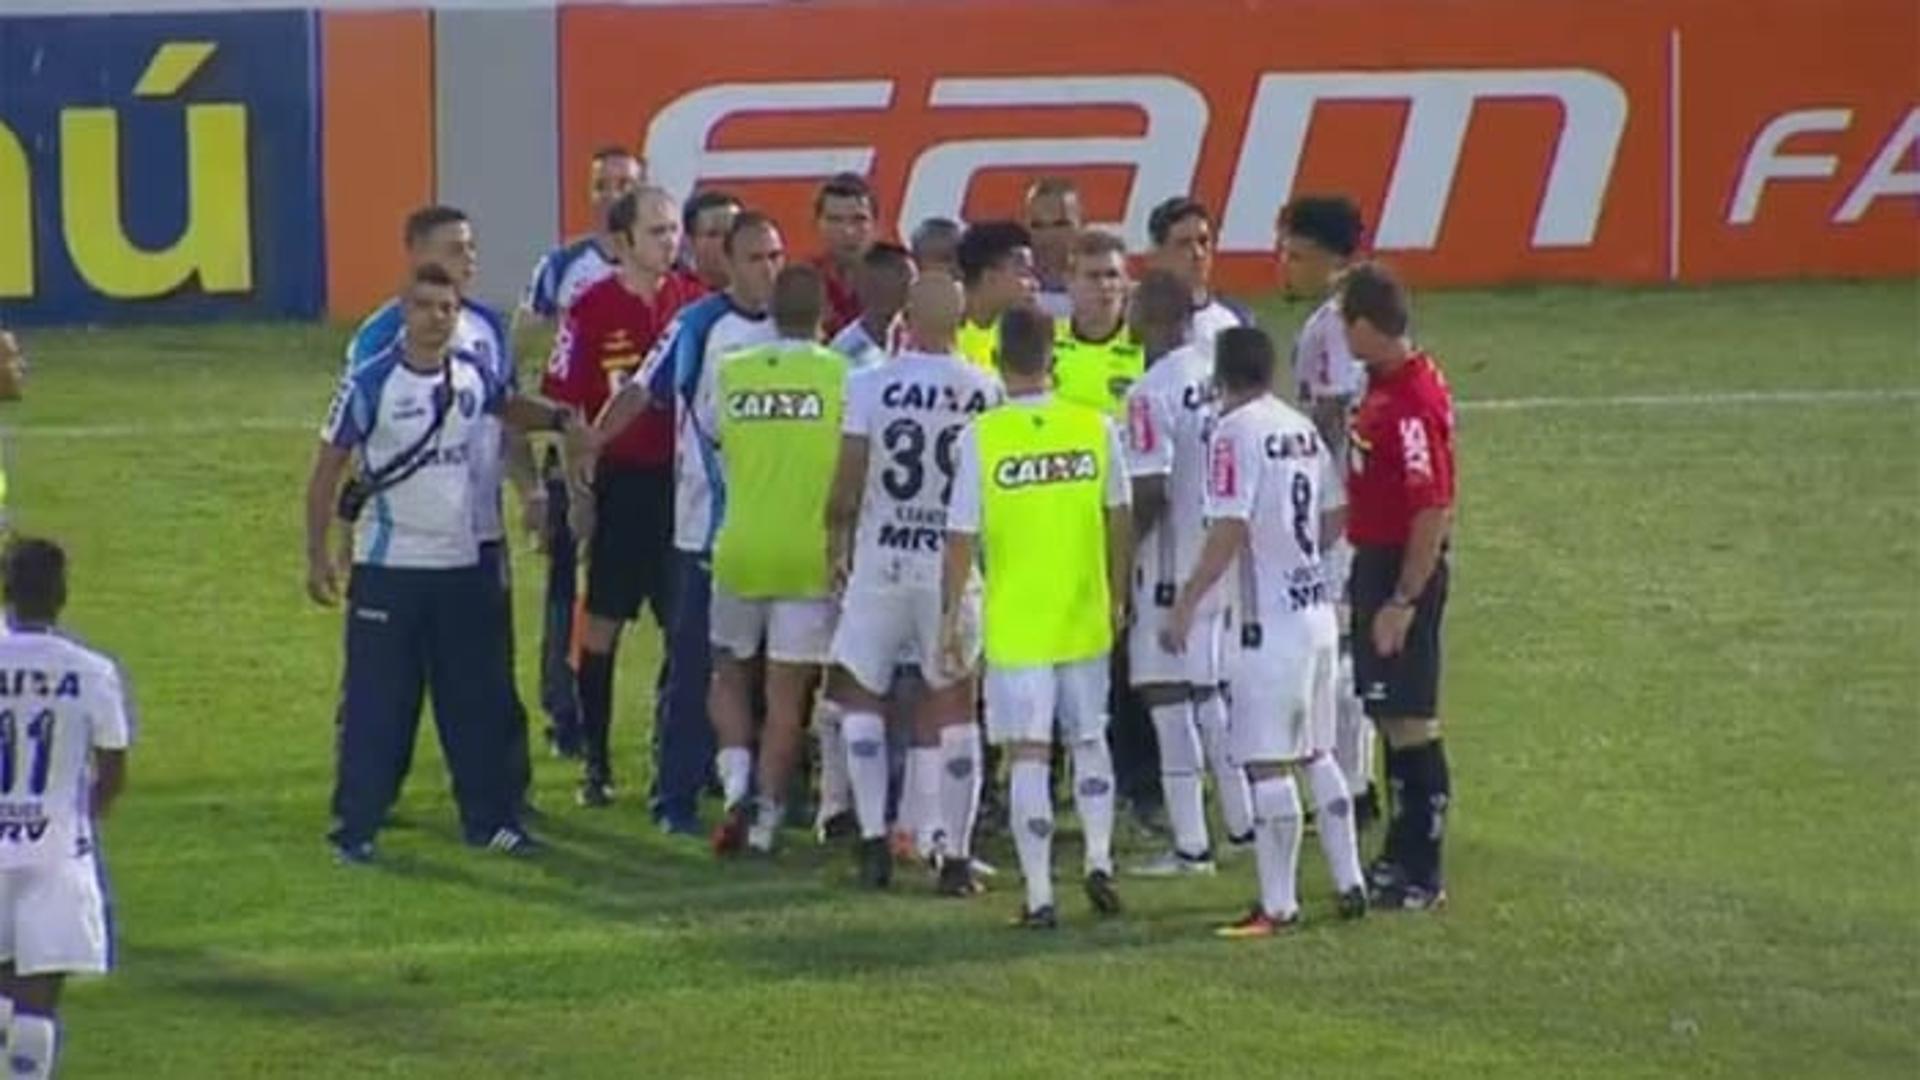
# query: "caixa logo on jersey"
[[1165, 157], [158, 167], [1061, 467]]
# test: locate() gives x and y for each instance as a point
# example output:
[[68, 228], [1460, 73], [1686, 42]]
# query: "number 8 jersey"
[[59, 701], [910, 410]]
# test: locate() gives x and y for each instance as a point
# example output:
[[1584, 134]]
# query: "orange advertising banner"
[[1487, 140]]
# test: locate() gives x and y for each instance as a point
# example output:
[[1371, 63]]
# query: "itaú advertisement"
[[158, 167], [1487, 140]]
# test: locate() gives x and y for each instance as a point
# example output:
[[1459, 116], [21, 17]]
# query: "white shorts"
[[883, 627], [1024, 703], [1148, 662], [53, 918], [1280, 700], [794, 631]]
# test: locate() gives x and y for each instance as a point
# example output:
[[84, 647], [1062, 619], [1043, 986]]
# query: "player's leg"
[[58, 928], [1353, 747], [1332, 801], [737, 628], [1408, 713], [33, 1029], [834, 813], [498, 566], [385, 677], [1082, 714], [799, 639], [466, 670], [687, 746], [1020, 706], [656, 591], [559, 695], [865, 645], [615, 579], [1266, 726], [1159, 683], [1207, 648]]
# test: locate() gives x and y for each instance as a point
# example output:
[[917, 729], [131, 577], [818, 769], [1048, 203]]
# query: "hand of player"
[[323, 581], [1173, 632], [533, 517], [1390, 626]]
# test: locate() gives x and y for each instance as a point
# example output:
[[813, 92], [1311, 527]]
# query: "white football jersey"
[[1323, 363], [1169, 411], [911, 411], [59, 701], [1268, 467], [1215, 315]]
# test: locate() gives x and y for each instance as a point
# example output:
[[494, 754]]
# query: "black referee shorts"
[[1407, 685], [632, 536]]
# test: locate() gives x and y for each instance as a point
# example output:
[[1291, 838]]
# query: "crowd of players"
[[898, 497]]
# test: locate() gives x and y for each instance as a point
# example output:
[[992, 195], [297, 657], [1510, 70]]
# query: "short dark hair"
[[703, 201], [1331, 221], [799, 300], [1026, 340], [1243, 358], [609, 151], [934, 227], [624, 212], [1370, 291], [744, 220], [423, 221], [1172, 212], [432, 274], [986, 245], [34, 572], [887, 256], [1096, 242], [846, 185]]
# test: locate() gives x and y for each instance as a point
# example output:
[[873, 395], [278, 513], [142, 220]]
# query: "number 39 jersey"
[[1267, 466], [59, 701], [910, 410]]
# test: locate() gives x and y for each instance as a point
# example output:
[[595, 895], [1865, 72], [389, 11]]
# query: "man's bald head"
[[935, 305], [1162, 305]]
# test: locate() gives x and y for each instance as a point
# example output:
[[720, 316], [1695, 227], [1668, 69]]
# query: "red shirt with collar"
[[607, 334], [843, 304], [1401, 453]]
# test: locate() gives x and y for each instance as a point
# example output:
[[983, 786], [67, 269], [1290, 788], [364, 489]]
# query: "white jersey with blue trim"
[[59, 702], [563, 274], [426, 521], [858, 346], [1215, 315], [480, 332], [681, 368]]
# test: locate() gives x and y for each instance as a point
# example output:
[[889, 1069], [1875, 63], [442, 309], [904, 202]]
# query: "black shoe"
[[1407, 896], [563, 743], [876, 863], [1038, 919], [1366, 809], [957, 880], [595, 793], [1101, 893], [356, 853], [993, 819], [1383, 873], [841, 826], [507, 840], [1150, 819], [1353, 903]]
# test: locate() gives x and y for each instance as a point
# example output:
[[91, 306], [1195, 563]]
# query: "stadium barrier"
[[258, 163]]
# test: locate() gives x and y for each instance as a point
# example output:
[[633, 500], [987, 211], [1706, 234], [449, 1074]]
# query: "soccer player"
[[442, 236], [1270, 507], [1400, 487], [1040, 496], [1169, 412], [844, 213], [886, 271], [1095, 358], [936, 246], [61, 768], [705, 221], [887, 518], [423, 605], [679, 370], [609, 330], [1053, 218], [1181, 229], [775, 413], [564, 273], [996, 267], [1317, 239]]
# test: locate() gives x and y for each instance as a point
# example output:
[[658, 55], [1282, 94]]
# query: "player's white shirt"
[[911, 411], [1323, 363], [858, 346], [963, 510], [1169, 413], [426, 521], [1268, 467], [699, 490], [59, 701], [1056, 304], [1212, 317], [563, 274]]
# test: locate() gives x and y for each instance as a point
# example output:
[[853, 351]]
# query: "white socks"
[[1276, 846], [920, 797], [1093, 799], [766, 824], [959, 786], [1236, 796], [1030, 806], [1353, 734], [865, 766], [1182, 777], [735, 766], [1334, 806], [836, 794], [30, 1046]]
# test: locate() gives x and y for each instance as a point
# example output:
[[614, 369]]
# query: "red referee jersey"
[[608, 332], [843, 304], [1402, 453]]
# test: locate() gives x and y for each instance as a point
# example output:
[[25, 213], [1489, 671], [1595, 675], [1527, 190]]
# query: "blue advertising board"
[[159, 167]]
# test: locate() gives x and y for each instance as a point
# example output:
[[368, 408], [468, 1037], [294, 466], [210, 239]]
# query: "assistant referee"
[[1400, 512]]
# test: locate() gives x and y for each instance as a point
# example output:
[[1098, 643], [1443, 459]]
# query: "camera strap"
[[414, 458]]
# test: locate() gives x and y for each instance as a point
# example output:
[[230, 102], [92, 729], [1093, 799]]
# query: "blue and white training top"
[[681, 369], [383, 407], [481, 333], [563, 274]]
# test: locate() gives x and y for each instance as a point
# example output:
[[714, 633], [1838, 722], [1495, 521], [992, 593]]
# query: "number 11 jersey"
[[910, 410], [59, 701]]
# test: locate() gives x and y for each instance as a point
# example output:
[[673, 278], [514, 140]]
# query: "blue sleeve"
[[677, 354], [508, 375], [543, 290], [375, 336]]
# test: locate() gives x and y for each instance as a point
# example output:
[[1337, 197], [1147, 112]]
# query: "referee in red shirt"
[[607, 334], [1399, 515]]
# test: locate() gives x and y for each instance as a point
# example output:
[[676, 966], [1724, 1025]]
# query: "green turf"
[[1681, 696]]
